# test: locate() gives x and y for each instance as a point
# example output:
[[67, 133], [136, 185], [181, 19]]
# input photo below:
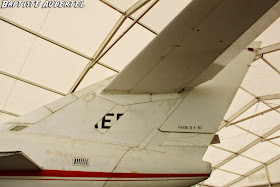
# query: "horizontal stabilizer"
[[16, 160], [196, 45]]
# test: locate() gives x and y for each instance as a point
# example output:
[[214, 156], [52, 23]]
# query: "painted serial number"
[[189, 127]]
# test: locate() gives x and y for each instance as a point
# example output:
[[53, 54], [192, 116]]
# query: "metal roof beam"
[[261, 138], [267, 176], [229, 172], [130, 17], [273, 130], [9, 113], [255, 115], [54, 42], [98, 55], [264, 140], [269, 97], [262, 99], [253, 171], [238, 113], [247, 91], [271, 65], [135, 7], [269, 49], [32, 83], [127, 29], [235, 154], [109, 67], [92, 62], [109, 37], [245, 175], [43, 37], [255, 134]]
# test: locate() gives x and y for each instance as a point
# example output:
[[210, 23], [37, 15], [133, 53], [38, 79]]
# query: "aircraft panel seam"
[[33, 123], [116, 166], [149, 138]]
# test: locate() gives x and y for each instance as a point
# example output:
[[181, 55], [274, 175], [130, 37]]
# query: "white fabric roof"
[[43, 52]]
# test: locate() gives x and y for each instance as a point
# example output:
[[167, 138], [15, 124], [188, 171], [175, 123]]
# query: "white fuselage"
[[131, 166], [116, 137]]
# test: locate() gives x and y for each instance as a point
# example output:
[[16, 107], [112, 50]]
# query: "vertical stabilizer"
[[205, 106]]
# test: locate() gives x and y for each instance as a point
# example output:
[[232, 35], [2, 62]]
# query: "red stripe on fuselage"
[[90, 180], [61, 173]]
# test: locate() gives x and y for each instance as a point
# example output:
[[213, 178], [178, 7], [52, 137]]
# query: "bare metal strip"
[[31, 83]]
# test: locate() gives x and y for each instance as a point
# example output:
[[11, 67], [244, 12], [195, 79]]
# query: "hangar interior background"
[[48, 53]]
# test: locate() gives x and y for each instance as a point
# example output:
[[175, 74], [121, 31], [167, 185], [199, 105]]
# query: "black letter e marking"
[[106, 120]]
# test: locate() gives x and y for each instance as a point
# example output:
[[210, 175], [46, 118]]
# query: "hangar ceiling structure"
[[46, 54]]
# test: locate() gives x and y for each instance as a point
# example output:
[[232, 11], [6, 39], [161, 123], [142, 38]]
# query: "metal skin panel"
[[183, 55]]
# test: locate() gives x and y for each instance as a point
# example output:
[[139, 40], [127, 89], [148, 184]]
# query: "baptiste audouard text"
[[44, 4]]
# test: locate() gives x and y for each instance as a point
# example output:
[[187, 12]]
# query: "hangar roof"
[[45, 53]]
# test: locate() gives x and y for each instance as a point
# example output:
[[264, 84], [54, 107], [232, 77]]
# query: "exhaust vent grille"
[[80, 161]]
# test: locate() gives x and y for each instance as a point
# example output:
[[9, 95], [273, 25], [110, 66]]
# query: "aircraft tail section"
[[144, 120], [204, 107], [122, 132]]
